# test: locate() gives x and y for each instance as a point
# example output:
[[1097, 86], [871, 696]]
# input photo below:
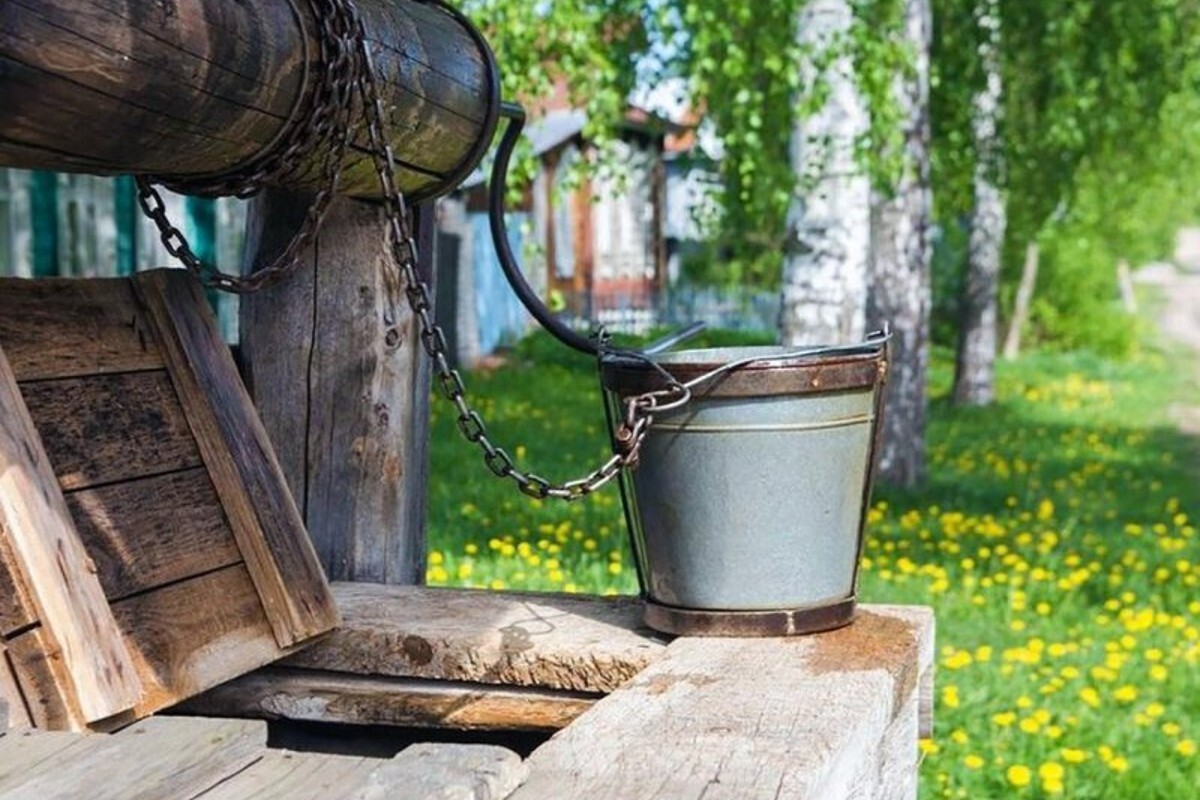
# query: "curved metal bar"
[[515, 115]]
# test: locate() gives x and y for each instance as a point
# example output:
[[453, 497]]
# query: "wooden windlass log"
[[195, 88]]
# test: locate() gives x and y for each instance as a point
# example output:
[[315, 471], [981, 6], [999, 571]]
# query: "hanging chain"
[[347, 71], [327, 118]]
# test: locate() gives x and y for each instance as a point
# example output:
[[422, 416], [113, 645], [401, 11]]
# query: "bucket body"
[[751, 498]]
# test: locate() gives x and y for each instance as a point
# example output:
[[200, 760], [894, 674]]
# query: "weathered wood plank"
[[813, 722], [446, 772], [17, 609], [316, 696], [23, 753], [347, 408], [68, 328], [14, 716], [44, 683], [281, 775], [69, 599], [107, 428], [183, 647], [149, 532], [551, 641], [202, 86], [237, 452], [175, 757]]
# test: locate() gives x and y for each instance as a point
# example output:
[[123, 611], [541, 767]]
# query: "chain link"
[[348, 71]]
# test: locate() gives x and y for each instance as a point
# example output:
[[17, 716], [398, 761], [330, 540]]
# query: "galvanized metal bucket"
[[748, 503]]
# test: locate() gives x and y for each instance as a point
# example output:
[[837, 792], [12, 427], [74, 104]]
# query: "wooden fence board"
[[107, 428], [17, 609], [149, 532], [316, 696], [268, 527], [70, 601], [551, 641], [44, 682], [63, 328]]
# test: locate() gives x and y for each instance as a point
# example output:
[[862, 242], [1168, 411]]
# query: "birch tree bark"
[[825, 269], [900, 266], [974, 373]]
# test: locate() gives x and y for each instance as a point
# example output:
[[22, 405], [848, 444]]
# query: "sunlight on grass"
[[1056, 540]]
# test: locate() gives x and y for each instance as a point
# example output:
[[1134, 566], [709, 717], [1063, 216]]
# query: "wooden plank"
[[175, 757], [15, 715], [17, 609], [149, 532], [445, 772], [316, 696], [184, 645], [346, 407], [235, 448], [44, 682], [70, 601], [24, 753], [551, 641], [57, 328], [806, 717], [107, 428], [283, 775]]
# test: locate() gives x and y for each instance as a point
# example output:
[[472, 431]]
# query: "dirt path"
[[1180, 321]]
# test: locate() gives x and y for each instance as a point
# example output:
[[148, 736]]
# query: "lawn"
[[1055, 539]]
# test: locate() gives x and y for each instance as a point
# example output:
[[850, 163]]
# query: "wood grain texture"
[[145, 533], [157, 758], [192, 635], [17, 609], [238, 455], [317, 696], [549, 641], [45, 685], [69, 599], [347, 408], [106, 428], [281, 775], [807, 717], [61, 328], [446, 772], [14, 715], [195, 87]]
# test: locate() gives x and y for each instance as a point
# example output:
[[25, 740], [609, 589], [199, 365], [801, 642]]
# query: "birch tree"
[[824, 295], [899, 292]]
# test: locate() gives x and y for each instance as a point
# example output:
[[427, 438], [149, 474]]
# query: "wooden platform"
[[185, 758], [825, 717]]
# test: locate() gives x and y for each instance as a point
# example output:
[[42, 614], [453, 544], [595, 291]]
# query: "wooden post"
[[346, 410]]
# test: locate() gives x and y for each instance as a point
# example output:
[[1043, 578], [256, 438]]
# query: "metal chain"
[[326, 118], [402, 271], [348, 71]]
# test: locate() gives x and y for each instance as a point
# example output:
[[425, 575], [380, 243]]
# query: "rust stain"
[[871, 642], [659, 684]]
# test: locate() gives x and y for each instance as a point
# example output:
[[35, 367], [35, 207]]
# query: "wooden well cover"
[[149, 548]]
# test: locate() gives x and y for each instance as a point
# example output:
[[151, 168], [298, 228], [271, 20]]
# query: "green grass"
[[1056, 540]]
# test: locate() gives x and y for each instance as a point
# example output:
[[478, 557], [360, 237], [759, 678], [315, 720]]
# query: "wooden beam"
[[446, 772], [54, 567], [550, 641], [831, 716], [199, 87], [237, 452], [317, 696], [345, 404]]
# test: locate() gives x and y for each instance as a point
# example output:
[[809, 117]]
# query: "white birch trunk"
[[974, 374], [900, 266], [825, 270]]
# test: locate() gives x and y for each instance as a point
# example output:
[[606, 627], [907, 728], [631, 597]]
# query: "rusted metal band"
[[776, 622]]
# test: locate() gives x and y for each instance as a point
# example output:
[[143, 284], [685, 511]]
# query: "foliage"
[[1055, 539], [754, 81]]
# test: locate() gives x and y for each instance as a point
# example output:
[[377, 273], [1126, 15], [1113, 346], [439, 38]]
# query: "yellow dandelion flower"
[[972, 761], [1186, 748], [1125, 694], [1073, 755], [1019, 775]]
